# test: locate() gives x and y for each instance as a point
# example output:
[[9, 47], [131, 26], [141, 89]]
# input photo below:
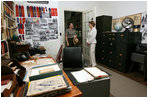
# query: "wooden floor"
[[134, 75]]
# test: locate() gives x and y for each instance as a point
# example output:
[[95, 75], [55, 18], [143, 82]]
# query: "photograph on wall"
[[36, 38], [28, 37], [36, 21], [29, 32], [36, 26], [45, 15], [53, 26], [143, 27], [43, 21], [55, 20], [43, 36], [44, 26], [28, 26], [29, 20], [50, 20], [53, 34]]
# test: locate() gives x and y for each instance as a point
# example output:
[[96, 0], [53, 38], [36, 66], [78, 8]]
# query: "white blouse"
[[91, 36]]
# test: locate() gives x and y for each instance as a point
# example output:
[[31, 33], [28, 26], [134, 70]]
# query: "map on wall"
[[135, 17]]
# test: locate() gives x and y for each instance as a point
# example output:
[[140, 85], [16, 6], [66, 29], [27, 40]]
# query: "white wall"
[[122, 8], [52, 46]]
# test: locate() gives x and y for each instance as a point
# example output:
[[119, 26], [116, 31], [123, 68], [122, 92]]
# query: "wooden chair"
[[58, 57]]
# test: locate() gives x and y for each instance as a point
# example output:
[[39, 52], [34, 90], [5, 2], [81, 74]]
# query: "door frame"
[[63, 21], [94, 19]]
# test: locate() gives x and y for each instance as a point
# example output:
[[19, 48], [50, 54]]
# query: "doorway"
[[76, 19]]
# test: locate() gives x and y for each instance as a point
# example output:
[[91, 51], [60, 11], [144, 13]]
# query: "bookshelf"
[[8, 26]]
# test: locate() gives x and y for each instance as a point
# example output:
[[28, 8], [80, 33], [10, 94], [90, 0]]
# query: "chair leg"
[[131, 68]]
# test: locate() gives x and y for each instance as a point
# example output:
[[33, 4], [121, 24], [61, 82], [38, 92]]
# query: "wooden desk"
[[75, 92]]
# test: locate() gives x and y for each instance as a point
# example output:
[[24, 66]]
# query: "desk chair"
[[72, 58], [58, 57], [136, 57]]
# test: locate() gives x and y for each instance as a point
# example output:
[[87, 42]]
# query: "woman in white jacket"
[[91, 42]]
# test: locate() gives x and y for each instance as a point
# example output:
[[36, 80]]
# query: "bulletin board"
[[41, 24]]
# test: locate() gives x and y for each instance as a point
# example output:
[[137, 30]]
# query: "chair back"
[[72, 57]]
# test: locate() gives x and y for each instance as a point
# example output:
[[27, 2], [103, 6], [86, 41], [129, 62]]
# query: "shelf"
[[10, 18], [11, 28], [9, 7]]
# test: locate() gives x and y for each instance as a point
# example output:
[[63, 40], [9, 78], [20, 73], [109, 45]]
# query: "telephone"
[[22, 56]]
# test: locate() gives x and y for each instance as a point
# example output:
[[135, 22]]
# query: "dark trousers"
[[71, 44]]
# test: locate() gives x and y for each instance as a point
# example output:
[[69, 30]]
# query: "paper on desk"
[[44, 61], [28, 72], [36, 71], [82, 76]]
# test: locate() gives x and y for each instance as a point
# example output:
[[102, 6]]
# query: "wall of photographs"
[[139, 19], [38, 25]]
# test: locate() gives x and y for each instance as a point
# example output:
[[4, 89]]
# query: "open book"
[[88, 74]]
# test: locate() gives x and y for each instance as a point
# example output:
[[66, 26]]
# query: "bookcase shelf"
[[10, 18], [8, 25], [8, 7]]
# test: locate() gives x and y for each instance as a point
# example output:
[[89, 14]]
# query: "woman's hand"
[[88, 44], [67, 43]]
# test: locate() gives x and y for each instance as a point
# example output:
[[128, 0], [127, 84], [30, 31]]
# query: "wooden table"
[[75, 92]]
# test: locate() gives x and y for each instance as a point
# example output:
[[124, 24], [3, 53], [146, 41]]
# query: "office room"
[[73, 48]]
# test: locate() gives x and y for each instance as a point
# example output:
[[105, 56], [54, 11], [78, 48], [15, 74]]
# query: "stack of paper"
[[46, 85], [82, 76]]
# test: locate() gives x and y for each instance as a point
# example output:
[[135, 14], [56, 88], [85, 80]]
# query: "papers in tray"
[[88, 74], [46, 85], [38, 62], [45, 69]]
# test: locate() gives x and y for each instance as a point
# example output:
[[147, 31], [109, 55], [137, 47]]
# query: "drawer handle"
[[111, 44], [110, 52], [119, 64], [113, 38], [120, 54], [121, 35]]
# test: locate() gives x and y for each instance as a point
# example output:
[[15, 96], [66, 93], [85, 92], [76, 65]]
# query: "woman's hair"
[[69, 24], [92, 23]]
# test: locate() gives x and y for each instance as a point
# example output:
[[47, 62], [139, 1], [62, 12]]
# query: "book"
[[88, 74], [95, 72], [47, 85]]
